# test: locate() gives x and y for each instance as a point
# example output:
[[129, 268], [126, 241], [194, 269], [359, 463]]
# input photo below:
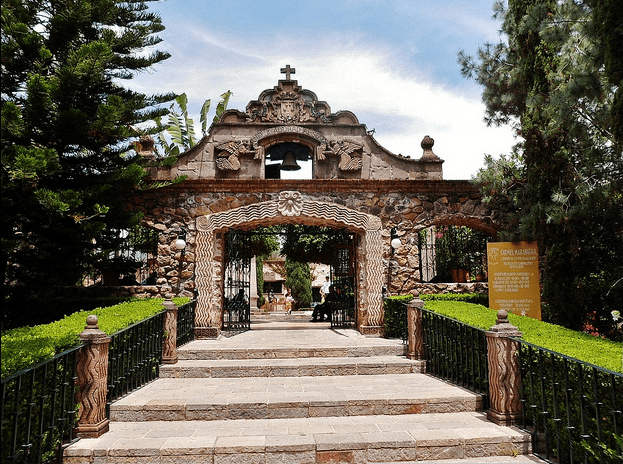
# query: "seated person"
[[323, 311]]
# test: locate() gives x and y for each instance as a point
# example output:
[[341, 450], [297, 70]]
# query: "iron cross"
[[287, 71]]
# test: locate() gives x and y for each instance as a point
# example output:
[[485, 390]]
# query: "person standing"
[[324, 290]]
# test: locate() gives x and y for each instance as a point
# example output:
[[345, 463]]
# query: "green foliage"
[[312, 244], [67, 123], [594, 350], [556, 79], [177, 135], [457, 247], [475, 298], [25, 346], [299, 281]]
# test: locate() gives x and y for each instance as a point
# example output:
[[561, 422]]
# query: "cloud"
[[396, 98]]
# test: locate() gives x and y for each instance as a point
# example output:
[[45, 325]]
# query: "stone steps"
[[298, 393], [291, 367], [281, 397], [207, 350], [360, 439]]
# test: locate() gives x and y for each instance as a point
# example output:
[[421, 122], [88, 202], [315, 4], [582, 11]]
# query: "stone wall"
[[407, 205]]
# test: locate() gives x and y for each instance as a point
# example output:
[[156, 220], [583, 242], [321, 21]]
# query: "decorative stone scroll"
[[228, 156], [290, 203], [349, 160], [208, 316]]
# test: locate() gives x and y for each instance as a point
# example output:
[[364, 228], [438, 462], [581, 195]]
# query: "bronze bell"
[[289, 162]]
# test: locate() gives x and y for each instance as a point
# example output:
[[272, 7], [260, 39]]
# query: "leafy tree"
[[67, 124], [311, 244], [299, 281], [557, 80], [180, 128]]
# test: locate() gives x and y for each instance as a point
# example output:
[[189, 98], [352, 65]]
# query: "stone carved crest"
[[290, 203], [288, 103]]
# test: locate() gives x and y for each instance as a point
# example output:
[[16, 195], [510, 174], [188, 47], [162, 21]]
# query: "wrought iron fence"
[[39, 411], [134, 356], [186, 323], [395, 319], [446, 250], [456, 352], [572, 409]]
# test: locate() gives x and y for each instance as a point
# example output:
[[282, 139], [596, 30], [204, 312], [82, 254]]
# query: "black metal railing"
[[135, 356], [572, 409], [39, 411], [342, 314], [456, 352], [395, 319], [186, 323]]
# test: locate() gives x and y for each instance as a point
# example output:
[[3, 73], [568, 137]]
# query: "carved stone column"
[[415, 328], [169, 344], [92, 374], [504, 375]]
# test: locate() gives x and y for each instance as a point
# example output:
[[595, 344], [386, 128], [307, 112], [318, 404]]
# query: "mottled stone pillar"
[[92, 374], [504, 375], [415, 328], [169, 344]]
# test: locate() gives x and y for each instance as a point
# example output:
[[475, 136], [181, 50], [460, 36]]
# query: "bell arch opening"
[[290, 208], [288, 160]]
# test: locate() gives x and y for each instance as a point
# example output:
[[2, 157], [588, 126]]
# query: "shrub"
[[587, 348], [476, 298], [23, 347]]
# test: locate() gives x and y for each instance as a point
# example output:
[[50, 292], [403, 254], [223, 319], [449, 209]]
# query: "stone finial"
[[503, 326], [92, 329], [427, 146], [145, 146]]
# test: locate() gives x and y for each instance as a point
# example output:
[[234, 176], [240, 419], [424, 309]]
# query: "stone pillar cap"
[[92, 329], [504, 327]]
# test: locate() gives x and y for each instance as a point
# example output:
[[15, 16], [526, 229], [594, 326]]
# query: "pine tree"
[[67, 127], [557, 80], [299, 281]]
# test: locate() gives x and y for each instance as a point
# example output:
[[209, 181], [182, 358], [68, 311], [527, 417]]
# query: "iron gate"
[[343, 267], [237, 281]]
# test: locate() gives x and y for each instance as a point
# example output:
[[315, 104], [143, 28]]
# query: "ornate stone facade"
[[339, 146], [356, 184]]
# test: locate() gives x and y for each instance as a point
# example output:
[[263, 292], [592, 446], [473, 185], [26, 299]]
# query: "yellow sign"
[[514, 278]]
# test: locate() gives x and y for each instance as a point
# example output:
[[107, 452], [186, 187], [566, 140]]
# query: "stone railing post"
[[169, 344], [92, 376], [504, 375], [415, 328]]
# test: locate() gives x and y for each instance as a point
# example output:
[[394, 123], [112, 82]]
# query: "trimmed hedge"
[[23, 347], [585, 347], [476, 298]]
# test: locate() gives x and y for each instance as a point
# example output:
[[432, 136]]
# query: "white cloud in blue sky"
[[392, 63]]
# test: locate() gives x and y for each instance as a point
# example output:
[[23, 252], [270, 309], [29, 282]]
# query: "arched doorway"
[[291, 207]]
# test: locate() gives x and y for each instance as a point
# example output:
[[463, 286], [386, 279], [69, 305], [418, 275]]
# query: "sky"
[[392, 63]]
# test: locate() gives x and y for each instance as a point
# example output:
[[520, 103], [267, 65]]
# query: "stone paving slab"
[[379, 438], [279, 397], [291, 367]]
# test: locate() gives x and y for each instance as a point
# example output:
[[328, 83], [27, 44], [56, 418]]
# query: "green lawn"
[[585, 347]]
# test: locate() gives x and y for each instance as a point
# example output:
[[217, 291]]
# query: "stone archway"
[[291, 207]]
